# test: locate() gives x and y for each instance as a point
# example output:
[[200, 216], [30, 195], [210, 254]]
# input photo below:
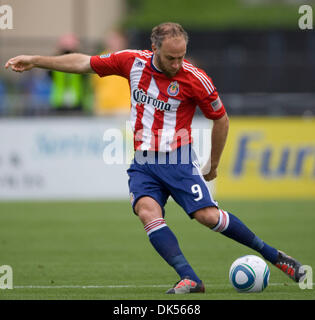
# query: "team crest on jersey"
[[173, 89]]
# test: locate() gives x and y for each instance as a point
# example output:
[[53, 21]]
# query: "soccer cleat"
[[186, 285], [290, 267]]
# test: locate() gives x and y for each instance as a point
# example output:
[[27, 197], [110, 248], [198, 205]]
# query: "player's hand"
[[209, 175], [20, 63]]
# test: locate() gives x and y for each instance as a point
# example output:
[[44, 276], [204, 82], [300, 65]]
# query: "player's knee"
[[208, 216], [148, 209]]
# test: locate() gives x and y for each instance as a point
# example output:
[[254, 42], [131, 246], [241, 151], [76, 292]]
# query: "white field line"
[[126, 286]]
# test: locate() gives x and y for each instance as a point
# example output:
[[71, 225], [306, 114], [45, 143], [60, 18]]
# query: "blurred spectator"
[[34, 90], [112, 93], [3, 98], [69, 92]]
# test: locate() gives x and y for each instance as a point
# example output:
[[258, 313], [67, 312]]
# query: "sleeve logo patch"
[[105, 55], [216, 104]]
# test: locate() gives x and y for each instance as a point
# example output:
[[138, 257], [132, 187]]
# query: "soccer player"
[[165, 91]]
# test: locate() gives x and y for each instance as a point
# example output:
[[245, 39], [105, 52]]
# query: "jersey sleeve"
[[117, 63], [207, 97]]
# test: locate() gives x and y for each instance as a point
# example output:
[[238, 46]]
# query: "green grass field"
[[99, 250], [211, 14]]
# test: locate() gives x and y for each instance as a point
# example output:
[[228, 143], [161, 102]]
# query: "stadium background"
[[64, 209]]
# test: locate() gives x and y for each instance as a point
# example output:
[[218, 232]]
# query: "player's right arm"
[[72, 63]]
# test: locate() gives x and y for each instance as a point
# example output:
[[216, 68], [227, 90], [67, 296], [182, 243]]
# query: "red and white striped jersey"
[[162, 108]]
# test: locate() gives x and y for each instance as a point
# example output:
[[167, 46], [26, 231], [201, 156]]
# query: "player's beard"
[[162, 67]]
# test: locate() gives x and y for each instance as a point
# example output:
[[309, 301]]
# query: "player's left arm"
[[218, 139], [209, 101]]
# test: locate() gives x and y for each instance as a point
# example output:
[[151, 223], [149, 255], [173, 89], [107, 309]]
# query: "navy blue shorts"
[[177, 174]]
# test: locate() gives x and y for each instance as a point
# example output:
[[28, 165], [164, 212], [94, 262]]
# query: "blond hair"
[[165, 30]]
